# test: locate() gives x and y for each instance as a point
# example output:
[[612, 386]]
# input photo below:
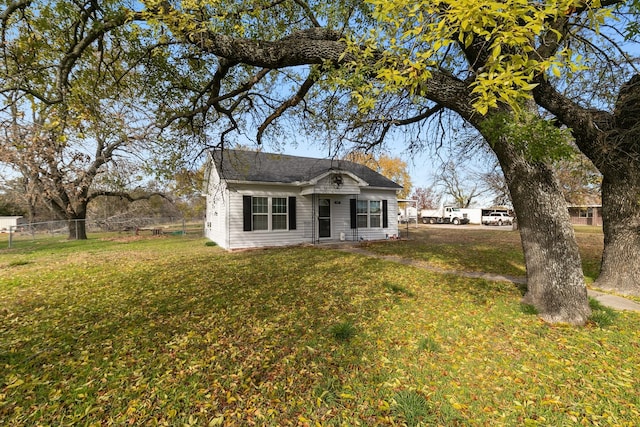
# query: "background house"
[[586, 214], [257, 199]]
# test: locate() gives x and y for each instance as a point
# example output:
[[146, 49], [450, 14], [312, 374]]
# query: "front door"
[[324, 218]]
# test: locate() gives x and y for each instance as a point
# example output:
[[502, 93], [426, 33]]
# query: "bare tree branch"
[[308, 12], [127, 195], [291, 102]]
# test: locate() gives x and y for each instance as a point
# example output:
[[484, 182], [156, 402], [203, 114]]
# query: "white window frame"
[[255, 214], [377, 214], [585, 212], [362, 211], [279, 215], [369, 215], [270, 214]]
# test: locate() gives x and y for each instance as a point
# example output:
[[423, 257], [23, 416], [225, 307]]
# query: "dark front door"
[[324, 218]]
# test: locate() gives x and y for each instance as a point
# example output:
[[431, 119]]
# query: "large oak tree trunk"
[[619, 161], [77, 229], [620, 268], [555, 282], [78, 226], [612, 142]]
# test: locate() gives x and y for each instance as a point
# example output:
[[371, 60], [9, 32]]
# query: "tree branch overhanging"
[[214, 97], [127, 195], [315, 45], [303, 47], [75, 52], [308, 12], [291, 102]]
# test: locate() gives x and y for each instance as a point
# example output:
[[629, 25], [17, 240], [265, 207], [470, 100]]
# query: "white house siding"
[[238, 238], [341, 216], [217, 198], [326, 186], [349, 186], [392, 215]]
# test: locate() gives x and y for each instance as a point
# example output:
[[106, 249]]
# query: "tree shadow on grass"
[[481, 258]]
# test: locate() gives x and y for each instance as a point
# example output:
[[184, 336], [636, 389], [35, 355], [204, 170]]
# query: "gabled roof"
[[585, 201], [253, 166]]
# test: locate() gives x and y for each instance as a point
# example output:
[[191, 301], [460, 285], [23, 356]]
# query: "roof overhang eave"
[[385, 188], [245, 182]]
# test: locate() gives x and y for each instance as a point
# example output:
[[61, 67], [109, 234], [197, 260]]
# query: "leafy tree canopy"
[[498, 50], [422, 36]]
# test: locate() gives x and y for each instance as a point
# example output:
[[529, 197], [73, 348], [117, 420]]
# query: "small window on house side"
[[279, 213], [375, 212], [362, 210], [369, 214], [260, 211]]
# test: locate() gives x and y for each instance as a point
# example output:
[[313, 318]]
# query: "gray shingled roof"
[[242, 165]]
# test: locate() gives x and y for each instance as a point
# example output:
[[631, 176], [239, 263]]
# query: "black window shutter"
[[292, 213], [385, 214], [246, 213], [354, 218]]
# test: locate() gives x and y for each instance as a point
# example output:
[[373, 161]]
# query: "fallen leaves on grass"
[[172, 333]]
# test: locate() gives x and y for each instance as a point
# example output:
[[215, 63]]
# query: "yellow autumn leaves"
[[185, 334], [499, 40]]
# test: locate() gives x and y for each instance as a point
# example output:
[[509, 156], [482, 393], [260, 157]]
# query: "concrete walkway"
[[614, 301], [608, 300]]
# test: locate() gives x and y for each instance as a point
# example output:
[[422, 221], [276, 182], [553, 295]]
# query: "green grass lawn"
[[168, 331], [483, 250]]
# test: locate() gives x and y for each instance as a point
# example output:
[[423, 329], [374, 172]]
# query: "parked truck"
[[443, 215], [497, 218]]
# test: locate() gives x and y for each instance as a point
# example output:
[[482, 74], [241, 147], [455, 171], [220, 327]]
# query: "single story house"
[[256, 199], [586, 214]]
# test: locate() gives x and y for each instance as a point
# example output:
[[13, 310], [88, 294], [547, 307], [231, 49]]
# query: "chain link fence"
[[131, 226]]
